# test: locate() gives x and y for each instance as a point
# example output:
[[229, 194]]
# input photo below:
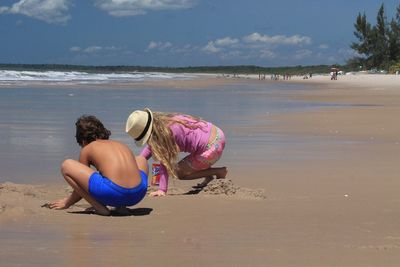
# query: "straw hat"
[[139, 125]]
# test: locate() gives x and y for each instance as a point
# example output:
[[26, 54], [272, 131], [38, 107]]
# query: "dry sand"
[[333, 199]]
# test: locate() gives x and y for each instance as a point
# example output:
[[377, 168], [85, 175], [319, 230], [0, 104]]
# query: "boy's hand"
[[59, 204], [158, 193]]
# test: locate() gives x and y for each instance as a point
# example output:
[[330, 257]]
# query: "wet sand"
[[329, 198]]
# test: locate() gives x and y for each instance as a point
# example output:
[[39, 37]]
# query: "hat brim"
[[146, 137]]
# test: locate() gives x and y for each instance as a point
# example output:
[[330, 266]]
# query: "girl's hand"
[[158, 193]]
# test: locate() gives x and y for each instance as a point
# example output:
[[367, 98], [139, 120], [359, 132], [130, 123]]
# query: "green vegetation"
[[378, 45], [245, 69], [395, 68]]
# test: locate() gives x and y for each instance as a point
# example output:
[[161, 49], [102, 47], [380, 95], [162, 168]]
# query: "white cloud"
[[152, 45], [219, 44], [75, 49], [211, 48], [50, 11], [92, 49], [323, 46], [124, 8], [227, 41], [168, 47], [159, 45], [255, 45], [250, 47], [277, 39]]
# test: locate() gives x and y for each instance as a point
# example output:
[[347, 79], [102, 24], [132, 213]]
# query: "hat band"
[[146, 128]]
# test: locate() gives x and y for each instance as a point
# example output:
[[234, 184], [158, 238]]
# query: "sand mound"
[[227, 187], [217, 187]]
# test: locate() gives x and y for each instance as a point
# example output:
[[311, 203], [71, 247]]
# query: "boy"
[[120, 180]]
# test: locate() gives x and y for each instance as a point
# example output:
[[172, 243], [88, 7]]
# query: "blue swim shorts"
[[109, 193]]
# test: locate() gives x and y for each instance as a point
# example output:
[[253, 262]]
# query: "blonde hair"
[[162, 142]]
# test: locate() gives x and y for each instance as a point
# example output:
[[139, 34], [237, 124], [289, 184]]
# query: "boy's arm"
[[65, 203], [84, 156], [74, 197]]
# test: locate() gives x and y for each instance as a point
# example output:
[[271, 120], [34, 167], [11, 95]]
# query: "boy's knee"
[[66, 165]]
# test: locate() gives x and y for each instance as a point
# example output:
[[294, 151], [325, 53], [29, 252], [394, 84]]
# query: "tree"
[[363, 34], [380, 39], [379, 45], [394, 38]]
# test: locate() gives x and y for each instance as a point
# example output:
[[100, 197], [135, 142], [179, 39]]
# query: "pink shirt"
[[188, 140]]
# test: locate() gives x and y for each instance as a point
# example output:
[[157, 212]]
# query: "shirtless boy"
[[120, 179]]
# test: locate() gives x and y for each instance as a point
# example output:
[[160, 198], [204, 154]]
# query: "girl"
[[167, 134]]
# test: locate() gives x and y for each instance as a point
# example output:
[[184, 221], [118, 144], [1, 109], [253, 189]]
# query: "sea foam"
[[16, 77]]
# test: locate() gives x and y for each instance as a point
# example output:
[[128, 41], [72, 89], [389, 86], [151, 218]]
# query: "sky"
[[179, 33]]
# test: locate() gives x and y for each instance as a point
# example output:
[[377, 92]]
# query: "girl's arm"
[[163, 186], [146, 152]]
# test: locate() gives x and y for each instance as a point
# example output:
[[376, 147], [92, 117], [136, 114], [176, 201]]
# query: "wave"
[[16, 77]]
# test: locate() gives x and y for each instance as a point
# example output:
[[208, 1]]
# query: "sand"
[[330, 199]]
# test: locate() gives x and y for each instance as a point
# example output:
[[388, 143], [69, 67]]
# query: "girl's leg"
[[77, 175], [203, 162], [186, 172]]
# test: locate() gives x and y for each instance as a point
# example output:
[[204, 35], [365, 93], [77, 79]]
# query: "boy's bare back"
[[113, 160]]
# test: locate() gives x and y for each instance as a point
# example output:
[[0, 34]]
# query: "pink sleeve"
[[163, 184], [146, 152]]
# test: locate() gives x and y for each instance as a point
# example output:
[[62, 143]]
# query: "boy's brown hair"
[[89, 128]]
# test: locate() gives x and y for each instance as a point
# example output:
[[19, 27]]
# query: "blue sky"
[[182, 32]]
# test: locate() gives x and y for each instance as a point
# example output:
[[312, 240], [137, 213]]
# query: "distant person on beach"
[[120, 179], [168, 134], [333, 75]]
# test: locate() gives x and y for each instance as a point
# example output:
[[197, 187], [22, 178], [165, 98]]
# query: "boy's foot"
[[123, 211], [90, 210], [105, 212], [203, 184]]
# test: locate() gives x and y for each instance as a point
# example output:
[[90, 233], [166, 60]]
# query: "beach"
[[314, 186]]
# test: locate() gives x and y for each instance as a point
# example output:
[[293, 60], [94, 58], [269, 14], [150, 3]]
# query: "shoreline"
[[203, 80]]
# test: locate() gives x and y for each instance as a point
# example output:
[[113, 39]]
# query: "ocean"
[[38, 111], [13, 77]]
